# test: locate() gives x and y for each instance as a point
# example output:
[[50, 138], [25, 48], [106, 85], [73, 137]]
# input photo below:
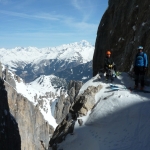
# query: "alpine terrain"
[[29, 63], [106, 116], [49, 99]]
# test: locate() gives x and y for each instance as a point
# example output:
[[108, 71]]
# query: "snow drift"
[[119, 121]]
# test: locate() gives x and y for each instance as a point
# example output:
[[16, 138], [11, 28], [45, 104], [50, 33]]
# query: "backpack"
[[143, 57]]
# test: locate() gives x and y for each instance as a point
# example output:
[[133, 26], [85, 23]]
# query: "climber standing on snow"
[[140, 67], [109, 66]]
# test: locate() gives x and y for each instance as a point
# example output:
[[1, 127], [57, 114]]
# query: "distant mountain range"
[[69, 61]]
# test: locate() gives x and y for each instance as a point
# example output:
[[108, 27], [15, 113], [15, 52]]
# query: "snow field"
[[120, 122]]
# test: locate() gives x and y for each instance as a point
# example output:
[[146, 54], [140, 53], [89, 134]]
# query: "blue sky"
[[48, 23]]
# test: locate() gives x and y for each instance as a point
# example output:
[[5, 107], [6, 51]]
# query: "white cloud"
[[45, 16], [86, 8], [77, 4]]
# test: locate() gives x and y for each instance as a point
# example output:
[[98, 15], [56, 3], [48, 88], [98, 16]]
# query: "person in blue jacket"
[[140, 67]]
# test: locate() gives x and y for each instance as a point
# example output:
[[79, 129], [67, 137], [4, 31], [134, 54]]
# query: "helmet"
[[140, 47], [108, 53]]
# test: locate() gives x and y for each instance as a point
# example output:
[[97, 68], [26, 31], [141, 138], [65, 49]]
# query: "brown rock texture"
[[9, 131], [34, 130], [124, 26], [63, 105], [81, 105]]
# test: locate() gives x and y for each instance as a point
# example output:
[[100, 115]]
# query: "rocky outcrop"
[[8, 76], [81, 105], [1, 70], [9, 131], [123, 27], [64, 103], [33, 130]]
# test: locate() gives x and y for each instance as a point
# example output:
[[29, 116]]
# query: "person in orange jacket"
[[109, 66]]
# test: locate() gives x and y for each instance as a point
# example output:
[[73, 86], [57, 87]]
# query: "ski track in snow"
[[120, 122]]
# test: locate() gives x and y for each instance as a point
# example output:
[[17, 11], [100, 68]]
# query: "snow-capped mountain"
[[43, 92], [31, 62], [82, 72], [120, 119]]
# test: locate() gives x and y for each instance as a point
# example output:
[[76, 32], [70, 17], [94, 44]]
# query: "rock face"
[[123, 27], [80, 106], [33, 130], [64, 103], [9, 131]]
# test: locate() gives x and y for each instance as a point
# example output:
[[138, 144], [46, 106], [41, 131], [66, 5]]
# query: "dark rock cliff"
[[124, 26], [31, 129], [9, 131], [34, 130]]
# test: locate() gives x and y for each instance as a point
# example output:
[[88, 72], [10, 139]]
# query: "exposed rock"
[[9, 131], [61, 108], [86, 101], [33, 129], [7, 76], [76, 85], [63, 104], [81, 105], [80, 121], [17, 78], [123, 27], [32, 126], [0, 70], [72, 94]]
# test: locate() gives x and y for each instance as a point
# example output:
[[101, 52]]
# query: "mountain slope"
[[82, 72], [33, 128], [119, 119], [29, 63], [43, 92]]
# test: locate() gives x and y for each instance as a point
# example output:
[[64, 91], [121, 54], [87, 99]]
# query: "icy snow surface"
[[121, 122]]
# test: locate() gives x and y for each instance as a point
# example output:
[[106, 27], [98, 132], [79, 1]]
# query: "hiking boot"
[[136, 87]]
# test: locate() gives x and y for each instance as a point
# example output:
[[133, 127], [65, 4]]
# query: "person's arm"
[[145, 61]]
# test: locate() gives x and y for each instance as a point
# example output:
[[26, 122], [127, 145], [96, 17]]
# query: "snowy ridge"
[[21, 56], [44, 92], [119, 122]]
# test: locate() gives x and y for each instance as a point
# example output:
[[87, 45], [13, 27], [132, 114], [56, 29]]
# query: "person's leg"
[[142, 77], [136, 71], [107, 74], [115, 69]]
